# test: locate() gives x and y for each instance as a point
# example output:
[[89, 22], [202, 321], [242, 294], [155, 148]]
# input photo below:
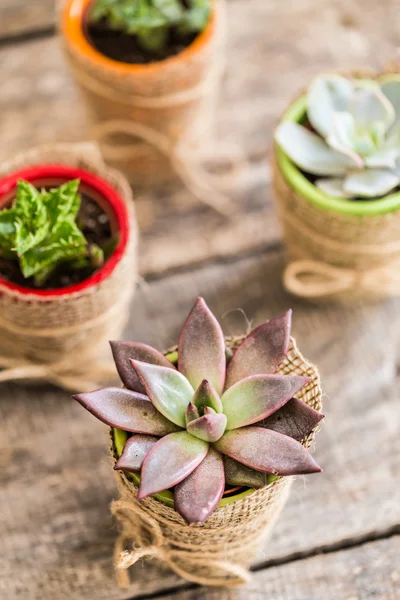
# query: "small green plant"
[[151, 20], [354, 148], [40, 231]]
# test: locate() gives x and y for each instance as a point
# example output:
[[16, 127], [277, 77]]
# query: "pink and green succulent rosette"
[[191, 423]]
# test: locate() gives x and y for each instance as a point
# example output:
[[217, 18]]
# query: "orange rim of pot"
[[72, 26]]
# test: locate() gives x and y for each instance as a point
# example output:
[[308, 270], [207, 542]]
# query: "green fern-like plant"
[[40, 231], [150, 21]]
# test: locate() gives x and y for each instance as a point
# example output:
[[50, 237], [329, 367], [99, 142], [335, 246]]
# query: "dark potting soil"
[[94, 222], [124, 48]]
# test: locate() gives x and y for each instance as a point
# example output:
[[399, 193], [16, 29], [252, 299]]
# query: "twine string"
[[308, 278], [313, 279], [182, 157], [158, 547]]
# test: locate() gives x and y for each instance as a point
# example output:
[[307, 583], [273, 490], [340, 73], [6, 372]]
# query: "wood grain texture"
[[274, 50], [362, 573], [21, 17], [56, 481]]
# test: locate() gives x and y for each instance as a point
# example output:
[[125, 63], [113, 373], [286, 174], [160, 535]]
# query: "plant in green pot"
[[210, 417], [337, 179]]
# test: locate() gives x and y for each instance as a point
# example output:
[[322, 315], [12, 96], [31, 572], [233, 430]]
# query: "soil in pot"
[[95, 224], [124, 47]]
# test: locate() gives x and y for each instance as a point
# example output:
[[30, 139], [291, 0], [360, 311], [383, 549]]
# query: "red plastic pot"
[[97, 189]]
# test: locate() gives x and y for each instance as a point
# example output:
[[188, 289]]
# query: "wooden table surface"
[[339, 536]]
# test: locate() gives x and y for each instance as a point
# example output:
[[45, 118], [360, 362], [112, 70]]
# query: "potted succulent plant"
[[67, 241], [204, 438], [337, 183], [146, 67]]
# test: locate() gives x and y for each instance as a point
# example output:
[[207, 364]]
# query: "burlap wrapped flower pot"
[[60, 334], [186, 498], [339, 248], [140, 112]]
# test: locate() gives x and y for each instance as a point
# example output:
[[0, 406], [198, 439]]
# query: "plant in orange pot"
[[149, 71]]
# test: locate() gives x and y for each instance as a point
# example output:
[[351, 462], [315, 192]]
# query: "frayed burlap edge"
[[220, 551], [335, 255]]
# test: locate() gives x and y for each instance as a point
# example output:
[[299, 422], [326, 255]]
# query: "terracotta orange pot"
[[174, 97]]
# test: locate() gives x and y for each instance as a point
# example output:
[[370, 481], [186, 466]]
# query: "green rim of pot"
[[297, 113]]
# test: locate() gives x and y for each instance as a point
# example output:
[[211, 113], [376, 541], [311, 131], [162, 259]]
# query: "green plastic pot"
[[167, 497], [297, 113]]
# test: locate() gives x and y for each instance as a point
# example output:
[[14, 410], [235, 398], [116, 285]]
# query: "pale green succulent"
[[354, 149]]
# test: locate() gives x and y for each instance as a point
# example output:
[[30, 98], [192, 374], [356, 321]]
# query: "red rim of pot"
[[114, 204]]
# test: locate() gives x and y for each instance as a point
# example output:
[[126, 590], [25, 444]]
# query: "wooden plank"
[[275, 48], [20, 17], [368, 571], [56, 482]]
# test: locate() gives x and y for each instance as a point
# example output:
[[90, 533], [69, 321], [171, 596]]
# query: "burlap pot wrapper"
[[62, 339], [219, 552], [336, 255], [149, 121]]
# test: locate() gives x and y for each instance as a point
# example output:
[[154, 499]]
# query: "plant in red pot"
[[67, 242]]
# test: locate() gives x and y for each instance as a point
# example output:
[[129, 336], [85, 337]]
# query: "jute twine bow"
[[194, 557], [312, 279]]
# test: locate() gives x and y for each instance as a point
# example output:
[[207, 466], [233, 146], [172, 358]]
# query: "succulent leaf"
[[126, 410], [369, 105], [391, 89], [310, 152], [209, 427], [169, 391], [258, 396], [205, 395], [332, 186], [134, 452], [169, 461], [262, 350], [267, 451], [124, 351], [192, 413], [370, 184], [238, 474], [197, 496], [295, 419], [327, 96], [202, 348]]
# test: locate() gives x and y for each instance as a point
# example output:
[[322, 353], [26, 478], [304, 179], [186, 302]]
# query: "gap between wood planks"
[[327, 549], [23, 37]]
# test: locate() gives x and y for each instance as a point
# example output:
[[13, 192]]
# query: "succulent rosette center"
[[209, 421]]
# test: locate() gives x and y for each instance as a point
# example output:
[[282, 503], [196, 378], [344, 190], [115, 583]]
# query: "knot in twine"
[[310, 278], [313, 279], [184, 562]]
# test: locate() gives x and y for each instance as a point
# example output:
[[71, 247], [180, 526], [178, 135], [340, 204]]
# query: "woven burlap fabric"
[[356, 243], [74, 327], [220, 551], [176, 99]]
